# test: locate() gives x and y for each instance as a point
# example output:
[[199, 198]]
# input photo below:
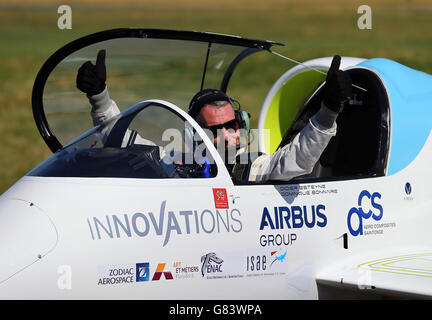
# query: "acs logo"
[[359, 211]]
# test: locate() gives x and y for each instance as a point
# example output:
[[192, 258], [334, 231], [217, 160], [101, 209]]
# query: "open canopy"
[[141, 64]]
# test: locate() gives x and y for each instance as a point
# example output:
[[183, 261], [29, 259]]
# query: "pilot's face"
[[222, 123]]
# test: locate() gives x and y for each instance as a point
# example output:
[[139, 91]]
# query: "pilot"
[[213, 110]]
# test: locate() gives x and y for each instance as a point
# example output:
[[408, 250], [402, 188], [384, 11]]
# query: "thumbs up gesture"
[[338, 87], [91, 78]]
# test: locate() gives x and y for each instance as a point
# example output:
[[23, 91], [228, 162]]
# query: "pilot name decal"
[[294, 217], [305, 190], [368, 208], [139, 224]]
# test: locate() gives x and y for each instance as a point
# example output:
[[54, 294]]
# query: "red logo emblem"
[[160, 270], [220, 198]]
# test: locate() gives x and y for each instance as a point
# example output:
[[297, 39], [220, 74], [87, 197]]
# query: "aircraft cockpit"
[[157, 139]]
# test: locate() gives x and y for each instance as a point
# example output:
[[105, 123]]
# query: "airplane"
[[98, 220]]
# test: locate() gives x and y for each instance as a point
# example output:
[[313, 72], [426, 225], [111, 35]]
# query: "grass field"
[[310, 29]]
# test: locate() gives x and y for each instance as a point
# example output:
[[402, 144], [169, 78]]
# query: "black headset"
[[209, 95]]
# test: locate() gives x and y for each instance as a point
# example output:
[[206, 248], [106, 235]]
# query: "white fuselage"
[[97, 238]]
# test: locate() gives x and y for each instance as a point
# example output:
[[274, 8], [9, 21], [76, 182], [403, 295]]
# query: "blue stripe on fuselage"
[[410, 92]]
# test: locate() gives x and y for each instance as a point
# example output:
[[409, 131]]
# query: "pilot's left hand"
[[338, 87], [91, 78]]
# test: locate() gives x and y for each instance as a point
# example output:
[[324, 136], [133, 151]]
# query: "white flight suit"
[[294, 159]]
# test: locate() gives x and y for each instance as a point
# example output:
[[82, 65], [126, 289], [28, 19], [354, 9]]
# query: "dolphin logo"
[[278, 258]]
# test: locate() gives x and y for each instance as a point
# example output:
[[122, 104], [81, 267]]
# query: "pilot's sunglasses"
[[233, 124]]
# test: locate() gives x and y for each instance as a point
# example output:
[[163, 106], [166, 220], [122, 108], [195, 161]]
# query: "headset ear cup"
[[247, 120], [243, 119]]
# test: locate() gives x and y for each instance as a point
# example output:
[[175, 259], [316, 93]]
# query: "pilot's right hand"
[[338, 88], [91, 78]]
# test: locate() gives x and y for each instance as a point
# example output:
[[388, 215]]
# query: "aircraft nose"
[[26, 236]]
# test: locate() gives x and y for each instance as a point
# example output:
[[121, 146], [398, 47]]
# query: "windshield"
[[150, 140], [137, 69]]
